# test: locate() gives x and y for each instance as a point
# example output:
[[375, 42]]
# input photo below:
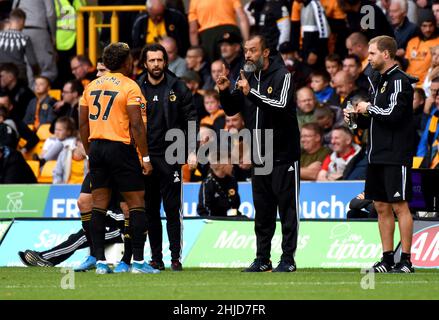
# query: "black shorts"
[[388, 183], [115, 162], [86, 184]]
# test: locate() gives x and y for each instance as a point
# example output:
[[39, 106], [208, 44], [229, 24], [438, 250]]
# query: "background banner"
[[221, 244], [323, 200]]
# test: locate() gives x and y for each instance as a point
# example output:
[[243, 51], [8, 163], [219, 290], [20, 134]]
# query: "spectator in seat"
[[306, 104], [13, 167], [193, 81], [352, 65], [216, 117], [404, 29], [218, 195], [69, 104], [83, 69], [40, 109], [231, 54], [357, 44], [17, 90], [313, 152], [176, 64], [328, 117], [344, 151], [361, 208], [195, 62], [65, 135], [417, 53], [333, 64], [322, 90], [159, 22], [21, 128]]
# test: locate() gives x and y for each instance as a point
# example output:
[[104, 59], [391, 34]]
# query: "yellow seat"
[[417, 162], [77, 172], [35, 166], [55, 94], [46, 175], [43, 132]]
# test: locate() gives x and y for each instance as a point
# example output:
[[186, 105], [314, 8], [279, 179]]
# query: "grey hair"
[[149, 3], [402, 3]]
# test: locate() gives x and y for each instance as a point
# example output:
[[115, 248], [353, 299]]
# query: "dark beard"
[[155, 77]]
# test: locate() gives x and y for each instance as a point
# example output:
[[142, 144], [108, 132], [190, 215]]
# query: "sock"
[[128, 249], [388, 257], [405, 256], [97, 230], [85, 220], [138, 232]]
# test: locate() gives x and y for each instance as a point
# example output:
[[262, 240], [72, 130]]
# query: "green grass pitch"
[[217, 284]]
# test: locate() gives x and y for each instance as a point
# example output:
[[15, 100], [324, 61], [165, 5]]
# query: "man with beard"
[[390, 152], [169, 106], [265, 97]]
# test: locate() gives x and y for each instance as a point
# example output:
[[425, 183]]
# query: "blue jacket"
[[423, 143]]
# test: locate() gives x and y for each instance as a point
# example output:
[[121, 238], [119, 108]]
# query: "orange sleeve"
[[295, 11], [192, 14], [83, 99], [134, 96], [236, 4]]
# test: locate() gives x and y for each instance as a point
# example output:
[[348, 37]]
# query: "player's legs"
[[101, 199], [386, 224], [137, 214], [85, 206]]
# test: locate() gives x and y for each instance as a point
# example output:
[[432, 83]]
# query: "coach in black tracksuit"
[[390, 119], [169, 106], [264, 96]]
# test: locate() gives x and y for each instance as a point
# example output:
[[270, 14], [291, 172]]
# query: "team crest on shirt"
[[45, 106], [172, 96], [270, 89], [171, 27]]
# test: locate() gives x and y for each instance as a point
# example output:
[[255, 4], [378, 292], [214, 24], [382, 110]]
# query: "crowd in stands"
[[323, 43]]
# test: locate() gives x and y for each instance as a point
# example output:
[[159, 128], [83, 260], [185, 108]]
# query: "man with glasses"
[[68, 105]]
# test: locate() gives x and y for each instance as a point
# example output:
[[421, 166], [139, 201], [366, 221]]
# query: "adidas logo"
[[216, 195], [176, 175], [397, 194], [291, 169]]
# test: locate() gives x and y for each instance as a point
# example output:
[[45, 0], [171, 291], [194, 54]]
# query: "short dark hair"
[[261, 39], [333, 57], [313, 127], [10, 68], [355, 58], [154, 48], [44, 78], [115, 55], [212, 93], [17, 14], [322, 74], [82, 59], [197, 48], [385, 43], [76, 86], [421, 91]]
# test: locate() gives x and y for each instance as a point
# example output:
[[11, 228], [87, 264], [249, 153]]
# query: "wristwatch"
[[146, 159]]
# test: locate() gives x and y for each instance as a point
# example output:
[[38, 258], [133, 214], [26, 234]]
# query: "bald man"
[[177, 64], [358, 45], [159, 22]]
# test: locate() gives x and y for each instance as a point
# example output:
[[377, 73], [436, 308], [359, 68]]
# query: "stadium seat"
[[77, 172], [417, 162], [46, 175], [55, 94], [35, 166], [43, 132]]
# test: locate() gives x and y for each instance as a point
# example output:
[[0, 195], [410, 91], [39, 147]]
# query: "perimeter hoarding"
[[317, 200], [221, 244]]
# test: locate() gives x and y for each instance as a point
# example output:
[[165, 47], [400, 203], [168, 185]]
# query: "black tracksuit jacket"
[[390, 118], [269, 105]]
